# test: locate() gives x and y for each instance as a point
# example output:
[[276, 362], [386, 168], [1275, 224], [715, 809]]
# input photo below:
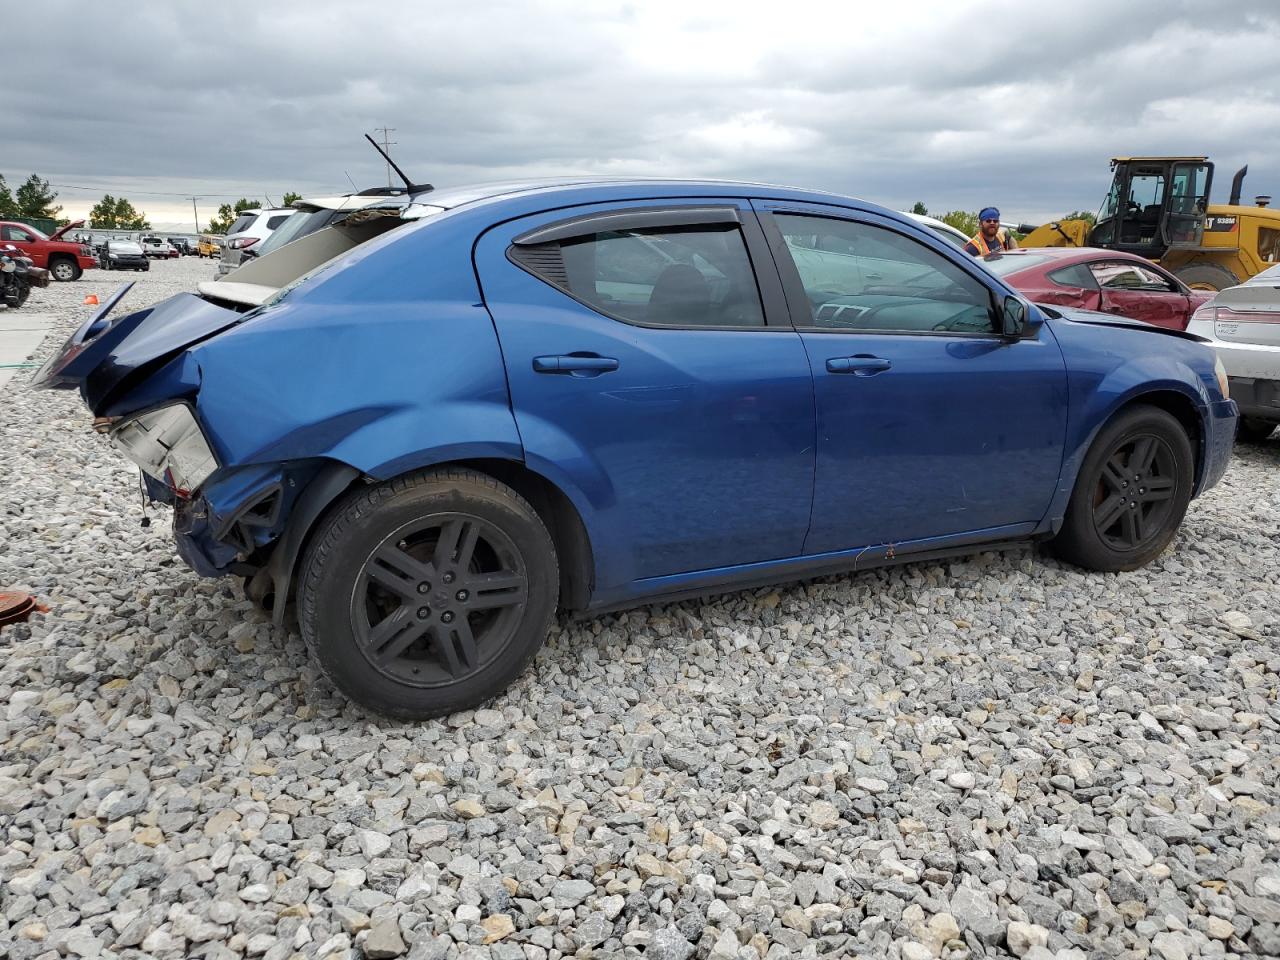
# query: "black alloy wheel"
[[1131, 492], [1134, 494], [427, 594], [438, 600]]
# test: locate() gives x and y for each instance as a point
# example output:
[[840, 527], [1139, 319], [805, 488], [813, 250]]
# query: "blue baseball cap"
[[989, 213]]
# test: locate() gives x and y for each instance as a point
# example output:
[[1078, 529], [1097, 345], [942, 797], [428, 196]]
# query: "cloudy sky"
[[958, 104]]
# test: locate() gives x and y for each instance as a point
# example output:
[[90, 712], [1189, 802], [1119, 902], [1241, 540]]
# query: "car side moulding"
[[645, 218]]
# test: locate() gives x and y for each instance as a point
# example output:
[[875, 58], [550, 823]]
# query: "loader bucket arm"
[[1060, 233]]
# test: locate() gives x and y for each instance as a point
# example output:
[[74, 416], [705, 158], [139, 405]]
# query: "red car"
[[63, 259], [1103, 280]]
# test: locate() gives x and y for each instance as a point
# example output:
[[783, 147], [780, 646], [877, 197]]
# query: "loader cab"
[[1155, 204]]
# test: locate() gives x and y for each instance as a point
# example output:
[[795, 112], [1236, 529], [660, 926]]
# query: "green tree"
[[289, 199], [1084, 215], [35, 199], [962, 220], [228, 214], [8, 205], [111, 213], [920, 209]]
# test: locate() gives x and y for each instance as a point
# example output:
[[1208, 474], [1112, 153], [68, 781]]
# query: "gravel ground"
[[997, 755]]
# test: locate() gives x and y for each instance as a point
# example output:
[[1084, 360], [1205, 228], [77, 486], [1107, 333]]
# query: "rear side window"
[[244, 222], [1076, 276], [274, 222], [695, 276]]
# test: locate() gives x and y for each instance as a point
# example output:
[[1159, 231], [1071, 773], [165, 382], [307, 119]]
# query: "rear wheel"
[[64, 268], [1131, 494], [1253, 430], [1207, 276], [429, 594]]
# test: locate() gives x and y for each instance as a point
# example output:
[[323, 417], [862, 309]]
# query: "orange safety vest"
[[984, 250]]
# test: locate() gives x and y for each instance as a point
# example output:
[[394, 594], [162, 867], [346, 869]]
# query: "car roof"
[[450, 197]]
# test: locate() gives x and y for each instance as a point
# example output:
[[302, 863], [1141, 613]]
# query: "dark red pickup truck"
[[63, 259]]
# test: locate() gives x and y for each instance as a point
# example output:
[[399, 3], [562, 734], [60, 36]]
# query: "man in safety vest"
[[991, 237]]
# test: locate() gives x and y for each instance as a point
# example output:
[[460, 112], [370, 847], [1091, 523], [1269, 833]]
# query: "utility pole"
[[195, 213], [387, 145]]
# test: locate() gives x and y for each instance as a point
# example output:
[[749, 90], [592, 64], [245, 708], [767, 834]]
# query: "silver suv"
[[252, 227]]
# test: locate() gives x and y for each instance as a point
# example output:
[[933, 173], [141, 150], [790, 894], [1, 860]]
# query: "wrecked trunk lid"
[[106, 355]]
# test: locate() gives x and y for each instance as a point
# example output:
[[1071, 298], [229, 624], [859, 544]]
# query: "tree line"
[[34, 200]]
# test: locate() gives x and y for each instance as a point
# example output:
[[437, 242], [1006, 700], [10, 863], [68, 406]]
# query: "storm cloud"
[[958, 105]]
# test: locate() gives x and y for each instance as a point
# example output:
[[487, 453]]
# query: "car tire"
[[1253, 430], [1207, 276], [1131, 492], [64, 269], [106, 265], [360, 599]]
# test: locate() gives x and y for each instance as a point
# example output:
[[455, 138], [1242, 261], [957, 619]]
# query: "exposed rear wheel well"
[[1180, 407], [573, 547]]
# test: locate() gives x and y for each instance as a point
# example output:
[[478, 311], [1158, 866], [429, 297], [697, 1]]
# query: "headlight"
[[1221, 373], [168, 444]]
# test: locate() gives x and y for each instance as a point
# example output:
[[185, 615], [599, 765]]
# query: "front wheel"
[[1253, 430], [1131, 493], [428, 594], [64, 269]]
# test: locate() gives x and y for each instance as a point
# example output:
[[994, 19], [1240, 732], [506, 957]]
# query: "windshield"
[[118, 247], [949, 235], [1002, 266]]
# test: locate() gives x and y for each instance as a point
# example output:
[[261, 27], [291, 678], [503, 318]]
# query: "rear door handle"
[[575, 365], [862, 365]]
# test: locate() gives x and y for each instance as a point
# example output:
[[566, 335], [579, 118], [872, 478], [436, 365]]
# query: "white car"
[[944, 230], [157, 248], [250, 227], [1243, 323]]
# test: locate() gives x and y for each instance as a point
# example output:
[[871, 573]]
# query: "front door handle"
[[861, 365], [587, 365]]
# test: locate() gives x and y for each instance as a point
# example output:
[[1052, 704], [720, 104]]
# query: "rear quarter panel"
[[388, 366]]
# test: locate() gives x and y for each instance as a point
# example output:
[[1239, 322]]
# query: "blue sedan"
[[434, 429]]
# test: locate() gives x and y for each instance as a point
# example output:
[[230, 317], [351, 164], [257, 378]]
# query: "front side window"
[[857, 276], [1123, 275], [18, 234], [694, 276]]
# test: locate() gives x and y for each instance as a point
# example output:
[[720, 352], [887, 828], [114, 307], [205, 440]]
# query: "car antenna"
[[409, 187]]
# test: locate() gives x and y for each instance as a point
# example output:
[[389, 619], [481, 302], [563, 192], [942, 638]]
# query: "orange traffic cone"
[[91, 300]]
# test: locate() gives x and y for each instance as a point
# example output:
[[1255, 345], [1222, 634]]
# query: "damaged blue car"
[[429, 427]]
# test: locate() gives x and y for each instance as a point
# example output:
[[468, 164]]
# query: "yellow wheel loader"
[[1158, 207]]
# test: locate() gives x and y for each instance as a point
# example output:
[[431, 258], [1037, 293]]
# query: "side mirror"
[[1013, 318]]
